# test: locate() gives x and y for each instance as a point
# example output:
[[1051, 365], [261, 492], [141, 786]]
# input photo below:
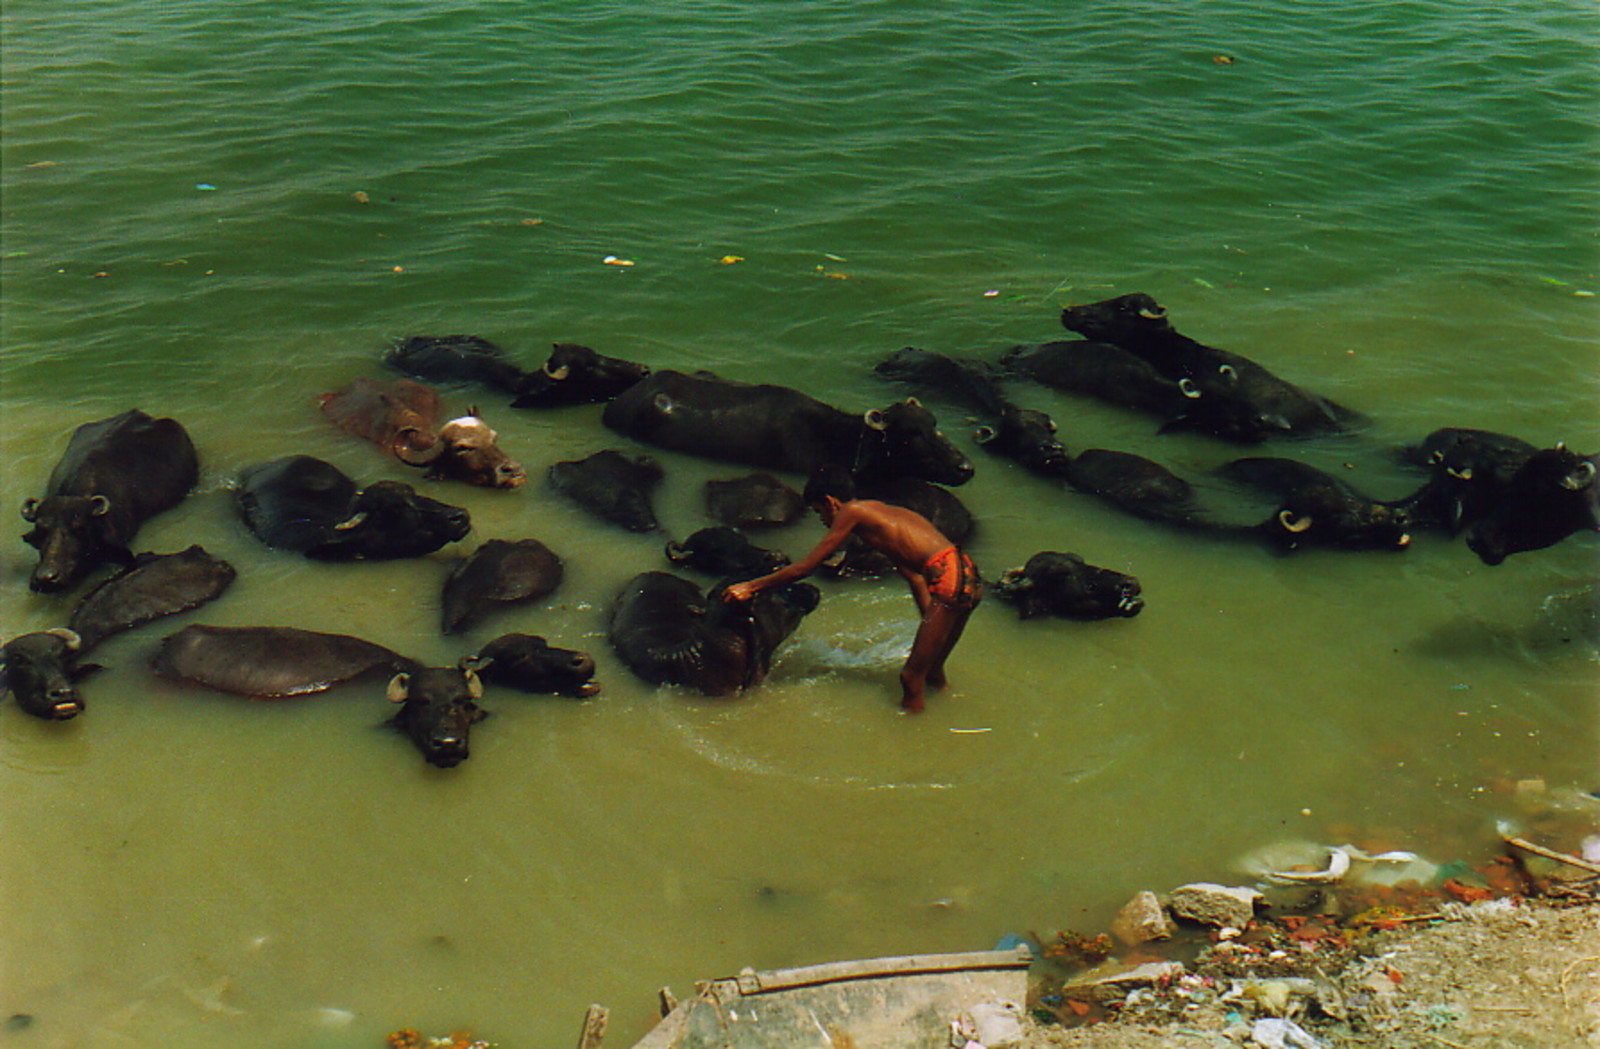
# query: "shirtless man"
[[943, 580]]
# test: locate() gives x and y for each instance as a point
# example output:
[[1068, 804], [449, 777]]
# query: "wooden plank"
[[594, 1027], [751, 982]]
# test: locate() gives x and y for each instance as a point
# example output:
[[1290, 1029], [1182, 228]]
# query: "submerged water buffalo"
[[456, 358], [1229, 395], [778, 428], [439, 705], [1318, 509], [725, 553], [115, 474], [310, 506], [402, 417], [498, 575], [156, 585], [668, 632], [1551, 496], [1063, 584], [1103, 371], [1469, 472], [1136, 485], [1027, 437], [576, 374], [613, 486], [528, 663], [972, 384], [757, 500], [41, 672]]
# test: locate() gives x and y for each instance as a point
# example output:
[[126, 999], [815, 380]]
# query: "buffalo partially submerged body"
[[1027, 437], [41, 672], [613, 486], [777, 428], [1227, 395], [1469, 473], [1100, 370], [115, 474], [1136, 485], [1551, 496], [307, 505], [1318, 509], [456, 359], [668, 632], [439, 705], [156, 585], [497, 575], [757, 500], [971, 384], [576, 374], [529, 663], [1063, 584], [402, 417], [725, 553]]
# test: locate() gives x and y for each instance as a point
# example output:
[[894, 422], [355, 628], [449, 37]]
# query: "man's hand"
[[738, 592]]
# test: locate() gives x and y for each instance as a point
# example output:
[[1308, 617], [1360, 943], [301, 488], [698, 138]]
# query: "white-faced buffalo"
[[41, 672], [499, 574], [307, 505], [114, 475], [456, 359], [1551, 496], [757, 500], [575, 374], [1063, 584], [778, 428], [1103, 371], [156, 585], [1318, 509], [528, 663], [1027, 437], [402, 417], [971, 384], [725, 553], [614, 487], [668, 632], [1232, 396], [439, 705]]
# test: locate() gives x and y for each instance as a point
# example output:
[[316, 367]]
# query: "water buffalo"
[[969, 383], [757, 500], [670, 633], [725, 553], [456, 358], [1318, 509], [1470, 472], [305, 504], [402, 417], [1063, 584], [1551, 496], [156, 585], [1230, 396], [943, 508], [115, 474], [41, 672], [1027, 437], [613, 486], [1103, 371], [1136, 485], [497, 575], [438, 704], [528, 663], [575, 374], [778, 428]]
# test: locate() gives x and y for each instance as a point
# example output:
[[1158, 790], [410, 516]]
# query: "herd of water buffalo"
[[1505, 494]]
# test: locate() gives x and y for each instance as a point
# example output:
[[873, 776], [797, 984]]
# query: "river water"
[[216, 211]]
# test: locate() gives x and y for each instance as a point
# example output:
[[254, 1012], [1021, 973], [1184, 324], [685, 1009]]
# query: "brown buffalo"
[[402, 417]]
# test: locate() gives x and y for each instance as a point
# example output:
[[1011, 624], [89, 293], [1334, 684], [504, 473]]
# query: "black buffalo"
[[1469, 472], [669, 632], [1551, 496], [1136, 485], [725, 553], [1319, 509], [114, 475], [1027, 437], [1230, 396], [757, 500], [155, 585], [439, 705], [41, 672], [456, 358], [529, 663], [1063, 584], [307, 505], [498, 575], [575, 374], [1101, 370], [777, 428], [972, 384], [613, 486]]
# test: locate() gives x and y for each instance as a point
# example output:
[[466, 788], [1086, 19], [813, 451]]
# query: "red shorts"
[[953, 579]]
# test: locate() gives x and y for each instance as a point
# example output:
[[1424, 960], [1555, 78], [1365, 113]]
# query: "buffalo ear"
[[30, 510], [399, 687]]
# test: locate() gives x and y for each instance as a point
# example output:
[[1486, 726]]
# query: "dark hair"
[[830, 480]]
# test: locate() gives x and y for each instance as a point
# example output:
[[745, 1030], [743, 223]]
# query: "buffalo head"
[[1063, 584], [575, 374], [41, 672], [903, 440], [530, 664], [390, 520], [1126, 318], [464, 449], [72, 533], [1028, 437], [723, 551], [1553, 495], [438, 707]]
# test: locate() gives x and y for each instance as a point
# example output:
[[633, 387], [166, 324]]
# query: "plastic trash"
[[1274, 1033]]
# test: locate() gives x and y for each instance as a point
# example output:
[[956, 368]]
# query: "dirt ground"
[[1506, 973]]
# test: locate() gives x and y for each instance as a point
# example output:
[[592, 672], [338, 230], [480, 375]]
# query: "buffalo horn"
[[1580, 476], [354, 522], [74, 642], [985, 434], [474, 686], [402, 441], [1153, 313], [99, 505], [874, 418], [30, 509], [557, 373], [1187, 387], [1292, 523], [1229, 372], [399, 687]]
